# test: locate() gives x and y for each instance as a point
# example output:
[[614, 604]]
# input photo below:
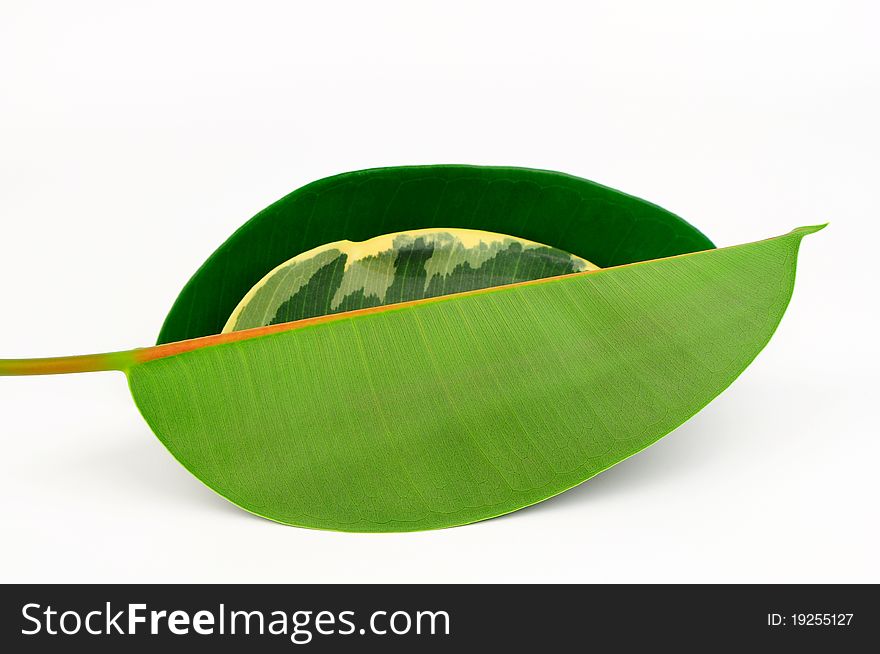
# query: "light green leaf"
[[457, 409], [443, 410]]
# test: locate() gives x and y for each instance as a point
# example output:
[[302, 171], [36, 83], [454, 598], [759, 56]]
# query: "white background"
[[135, 137]]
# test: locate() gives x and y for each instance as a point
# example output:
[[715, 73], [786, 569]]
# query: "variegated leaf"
[[392, 268]]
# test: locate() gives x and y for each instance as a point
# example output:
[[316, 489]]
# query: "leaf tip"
[[810, 229]]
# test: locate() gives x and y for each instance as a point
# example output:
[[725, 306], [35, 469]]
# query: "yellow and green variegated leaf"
[[401, 267]]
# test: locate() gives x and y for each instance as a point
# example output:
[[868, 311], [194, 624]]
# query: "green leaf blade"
[[467, 407], [599, 224]]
